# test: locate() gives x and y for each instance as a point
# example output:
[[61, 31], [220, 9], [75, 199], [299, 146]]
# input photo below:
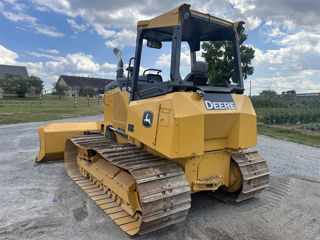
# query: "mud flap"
[[53, 137]]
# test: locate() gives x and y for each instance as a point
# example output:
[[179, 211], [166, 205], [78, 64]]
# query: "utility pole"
[[75, 101], [1, 97], [40, 99]]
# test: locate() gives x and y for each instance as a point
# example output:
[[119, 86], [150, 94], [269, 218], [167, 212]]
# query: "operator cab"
[[178, 30]]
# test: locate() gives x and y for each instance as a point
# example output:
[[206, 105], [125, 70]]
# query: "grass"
[[289, 135], [28, 109]]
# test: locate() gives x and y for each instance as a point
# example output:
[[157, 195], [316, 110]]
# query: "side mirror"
[[154, 44], [240, 28]]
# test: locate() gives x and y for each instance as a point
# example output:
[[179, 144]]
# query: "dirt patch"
[[217, 234], [80, 213]]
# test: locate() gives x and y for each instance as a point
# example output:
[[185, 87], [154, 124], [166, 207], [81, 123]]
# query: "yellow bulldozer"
[[163, 139]]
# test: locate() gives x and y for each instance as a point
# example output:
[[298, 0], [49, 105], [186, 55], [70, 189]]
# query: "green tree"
[[35, 84], [59, 89], [290, 92], [219, 56], [268, 93], [87, 91], [16, 84]]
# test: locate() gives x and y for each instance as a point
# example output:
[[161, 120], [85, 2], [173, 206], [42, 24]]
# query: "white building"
[[74, 84]]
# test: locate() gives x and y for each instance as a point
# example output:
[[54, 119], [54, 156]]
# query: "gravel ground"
[[288, 209]]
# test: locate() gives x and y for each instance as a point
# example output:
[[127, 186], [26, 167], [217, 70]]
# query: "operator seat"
[[198, 74]]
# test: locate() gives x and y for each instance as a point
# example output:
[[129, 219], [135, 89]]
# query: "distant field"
[[296, 124], [289, 115], [299, 125], [29, 109]]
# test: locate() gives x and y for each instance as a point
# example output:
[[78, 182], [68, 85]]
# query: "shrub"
[[290, 115], [16, 84], [266, 102], [312, 126]]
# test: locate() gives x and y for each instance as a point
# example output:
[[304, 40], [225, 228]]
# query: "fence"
[[1, 98], [11, 100]]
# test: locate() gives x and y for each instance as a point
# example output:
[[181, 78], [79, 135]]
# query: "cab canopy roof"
[[197, 26]]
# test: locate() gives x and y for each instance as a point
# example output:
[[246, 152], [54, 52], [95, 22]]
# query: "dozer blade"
[[138, 191], [53, 137]]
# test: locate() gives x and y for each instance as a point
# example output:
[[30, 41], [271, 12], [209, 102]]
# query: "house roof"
[[79, 81], [12, 70]]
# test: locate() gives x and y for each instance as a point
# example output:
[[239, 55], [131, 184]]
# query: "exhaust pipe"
[[119, 56]]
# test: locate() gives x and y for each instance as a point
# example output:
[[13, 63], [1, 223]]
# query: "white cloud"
[[107, 65], [42, 8], [287, 14], [107, 17], [10, 1], [292, 26], [107, 13], [243, 5], [16, 17], [49, 31], [77, 27], [122, 39], [43, 55], [7, 56], [52, 51], [252, 22], [298, 52], [75, 63], [279, 84], [258, 56], [19, 7], [101, 30], [164, 60], [294, 65], [34, 68], [60, 6], [49, 67], [82, 62], [310, 72]]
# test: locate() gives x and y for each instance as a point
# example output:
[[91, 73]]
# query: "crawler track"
[[255, 177], [164, 193]]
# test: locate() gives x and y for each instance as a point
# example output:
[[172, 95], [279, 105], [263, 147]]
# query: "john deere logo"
[[147, 119], [219, 101]]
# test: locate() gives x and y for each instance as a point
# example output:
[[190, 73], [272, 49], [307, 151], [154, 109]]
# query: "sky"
[[77, 37]]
